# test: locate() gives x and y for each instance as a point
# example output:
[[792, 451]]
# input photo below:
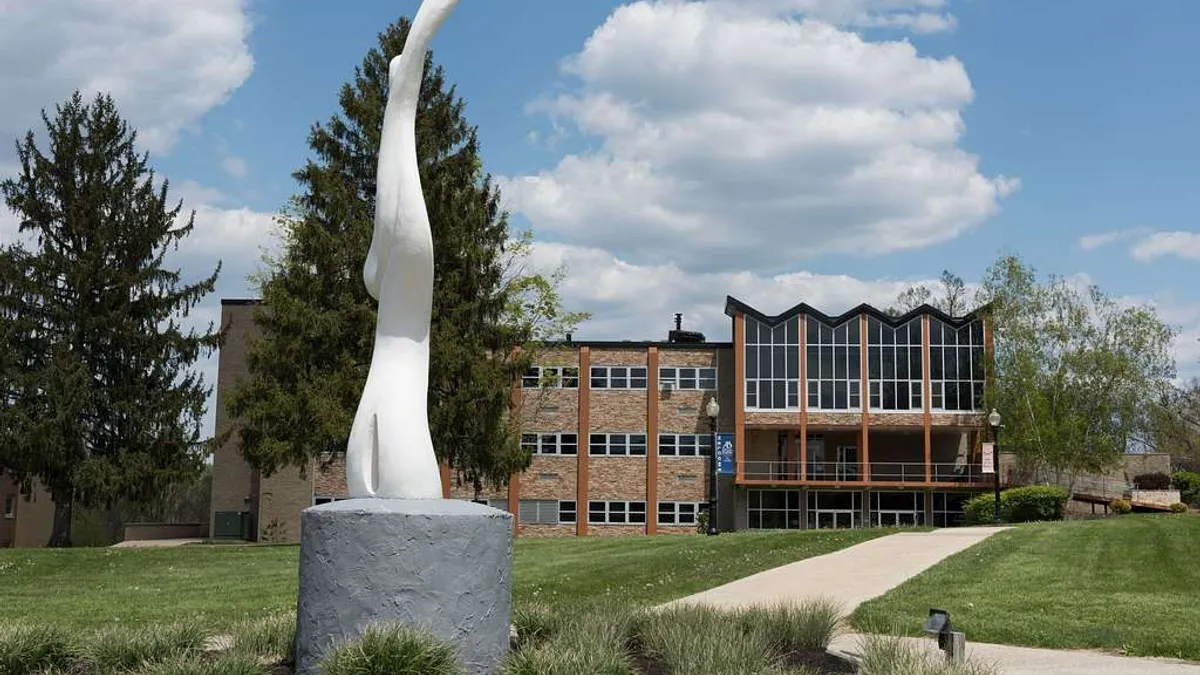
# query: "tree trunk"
[[60, 534]]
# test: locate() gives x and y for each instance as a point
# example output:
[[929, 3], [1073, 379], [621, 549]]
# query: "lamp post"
[[713, 409], [994, 422]]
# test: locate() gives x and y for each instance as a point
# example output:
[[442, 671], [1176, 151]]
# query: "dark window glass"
[[874, 367], [935, 332], [977, 356], [777, 361], [826, 371], [889, 336], [779, 334], [889, 396], [751, 362], [764, 394], [810, 330], [977, 392], [826, 335], [793, 395], [950, 394], [839, 363], [914, 362], [840, 394], [687, 378], [827, 394], [853, 332], [812, 362], [889, 363], [902, 363], [902, 396], [637, 378], [935, 363], [793, 330], [779, 394], [752, 394], [964, 363], [793, 362], [764, 362], [840, 334], [666, 374], [751, 331]]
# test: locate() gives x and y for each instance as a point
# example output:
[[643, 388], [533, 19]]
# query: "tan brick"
[[699, 358], [897, 419], [550, 478], [777, 418], [677, 530], [464, 490], [595, 530], [835, 419], [331, 481], [557, 355], [632, 356], [618, 411], [954, 419], [682, 412], [283, 496], [232, 484], [549, 410], [539, 531], [682, 479], [617, 478]]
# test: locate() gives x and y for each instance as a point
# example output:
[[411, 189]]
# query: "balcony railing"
[[849, 472]]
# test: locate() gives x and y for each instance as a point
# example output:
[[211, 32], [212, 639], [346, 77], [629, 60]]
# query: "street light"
[[994, 422], [713, 409]]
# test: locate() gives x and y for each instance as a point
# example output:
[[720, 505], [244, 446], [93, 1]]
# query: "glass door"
[[847, 462]]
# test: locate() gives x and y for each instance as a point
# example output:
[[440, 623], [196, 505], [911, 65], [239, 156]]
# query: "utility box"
[[231, 525]]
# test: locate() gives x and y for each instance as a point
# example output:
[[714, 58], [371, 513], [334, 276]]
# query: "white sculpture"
[[390, 453]]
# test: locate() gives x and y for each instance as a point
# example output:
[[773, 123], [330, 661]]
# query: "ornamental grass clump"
[[393, 650]]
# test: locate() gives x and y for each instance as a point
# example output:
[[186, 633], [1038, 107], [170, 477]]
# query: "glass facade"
[[833, 365], [956, 366], [773, 365], [894, 365]]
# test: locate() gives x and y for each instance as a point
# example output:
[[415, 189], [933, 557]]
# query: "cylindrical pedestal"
[[441, 564]]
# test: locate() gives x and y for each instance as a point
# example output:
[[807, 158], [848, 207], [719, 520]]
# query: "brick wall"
[[330, 481], [35, 519], [547, 530], [550, 478], [617, 478], [8, 526], [232, 476], [682, 479], [283, 496], [595, 530]]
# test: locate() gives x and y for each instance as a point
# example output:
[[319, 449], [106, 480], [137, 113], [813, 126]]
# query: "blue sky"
[[779, 150]]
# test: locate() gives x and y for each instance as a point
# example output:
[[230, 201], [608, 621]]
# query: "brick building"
[[835, 421]]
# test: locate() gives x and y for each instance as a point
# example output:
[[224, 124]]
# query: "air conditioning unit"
[[667, 386]]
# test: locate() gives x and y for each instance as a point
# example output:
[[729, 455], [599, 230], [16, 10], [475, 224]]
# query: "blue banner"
[[725, 454]]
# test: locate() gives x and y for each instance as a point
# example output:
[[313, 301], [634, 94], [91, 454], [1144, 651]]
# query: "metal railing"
[[848, 472]]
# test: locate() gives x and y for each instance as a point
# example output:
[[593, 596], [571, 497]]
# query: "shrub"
[[535, 623], [682, 640], [118, 650], [270, 637], [1018, 505], [1152, 481], [887, 655], [1188, 484], [393, 650], [591, 639], [794, 627], [33, 649], [1120, 506], [226, 664], [1179, 507]]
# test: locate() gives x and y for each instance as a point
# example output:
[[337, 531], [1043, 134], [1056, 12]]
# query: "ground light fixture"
[[994, 422], [949, 641], [713, 409]]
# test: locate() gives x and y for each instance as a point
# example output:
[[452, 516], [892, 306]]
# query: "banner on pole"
[[988, 458], [725, 454]]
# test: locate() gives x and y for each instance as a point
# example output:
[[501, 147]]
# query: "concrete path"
[[854, 575], [850, 576], [156, 543]]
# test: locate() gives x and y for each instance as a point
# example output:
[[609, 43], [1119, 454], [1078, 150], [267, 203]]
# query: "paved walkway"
[[156, 543], [854, 575]]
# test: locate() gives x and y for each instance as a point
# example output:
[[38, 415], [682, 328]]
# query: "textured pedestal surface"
[[439, 563]]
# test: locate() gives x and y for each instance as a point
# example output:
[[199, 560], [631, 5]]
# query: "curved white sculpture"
[[390, 452]]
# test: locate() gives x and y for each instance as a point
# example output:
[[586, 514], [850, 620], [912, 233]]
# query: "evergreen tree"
[[99, 401], [308, 368]]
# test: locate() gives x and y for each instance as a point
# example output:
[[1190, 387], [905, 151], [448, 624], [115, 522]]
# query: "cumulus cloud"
[[234, 166], [1185, 245], [919, 16], [736, 136], [166, 63], [1091, 242]]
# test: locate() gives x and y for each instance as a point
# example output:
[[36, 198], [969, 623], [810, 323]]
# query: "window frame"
[[828, 385], [562, 380], [767, 349], [702, 443], [560, 443], [975, 350], [673, 377], [676, 511], [602, 377], [884, 341], [609, 510], [607, 443]]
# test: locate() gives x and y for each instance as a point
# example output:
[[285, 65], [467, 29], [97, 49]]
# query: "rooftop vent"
[[680, 335]]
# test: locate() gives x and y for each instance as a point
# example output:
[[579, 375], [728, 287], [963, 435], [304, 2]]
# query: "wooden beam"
[[927, 396], [864, 398], [581, 471], [739, 392], [803, 396], [652, 441]]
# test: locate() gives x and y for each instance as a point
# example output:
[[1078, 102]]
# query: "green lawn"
[[1129, 584], [222, 584]]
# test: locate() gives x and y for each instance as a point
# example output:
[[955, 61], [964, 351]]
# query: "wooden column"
[[444, 470], [864, 398], [927, 397], [514, 482], [652, 441], [739, 393], [584, 434], [803, 397]]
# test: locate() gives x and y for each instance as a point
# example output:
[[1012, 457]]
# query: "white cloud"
[[1186, 245], [234, 166], [736, 137], [1091, 242], [919, 16], [166, 63]]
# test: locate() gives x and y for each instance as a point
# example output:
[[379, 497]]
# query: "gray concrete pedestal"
[[442, 564]]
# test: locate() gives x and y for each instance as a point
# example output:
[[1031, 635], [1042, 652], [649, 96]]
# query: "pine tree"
[[100, 402], [316, 320]]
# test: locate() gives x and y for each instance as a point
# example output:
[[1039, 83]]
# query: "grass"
[[1126, 585], [217, 586]]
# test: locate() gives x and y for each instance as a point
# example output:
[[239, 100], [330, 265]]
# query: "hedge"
[[1018, 505], [1152, 481], [1188, 484]]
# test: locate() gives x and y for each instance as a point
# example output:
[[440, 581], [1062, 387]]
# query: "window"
[[772, 365], [618, 377], [773, 509], [545, 512], [550, 444], [501, 504], [317, 501], [10, 506], [894, 365], [616, 513], [956, 372], [948, 508], [561, 377], [704, 379], [684, 445], [833, 363], [678, 513], [617, 445]]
